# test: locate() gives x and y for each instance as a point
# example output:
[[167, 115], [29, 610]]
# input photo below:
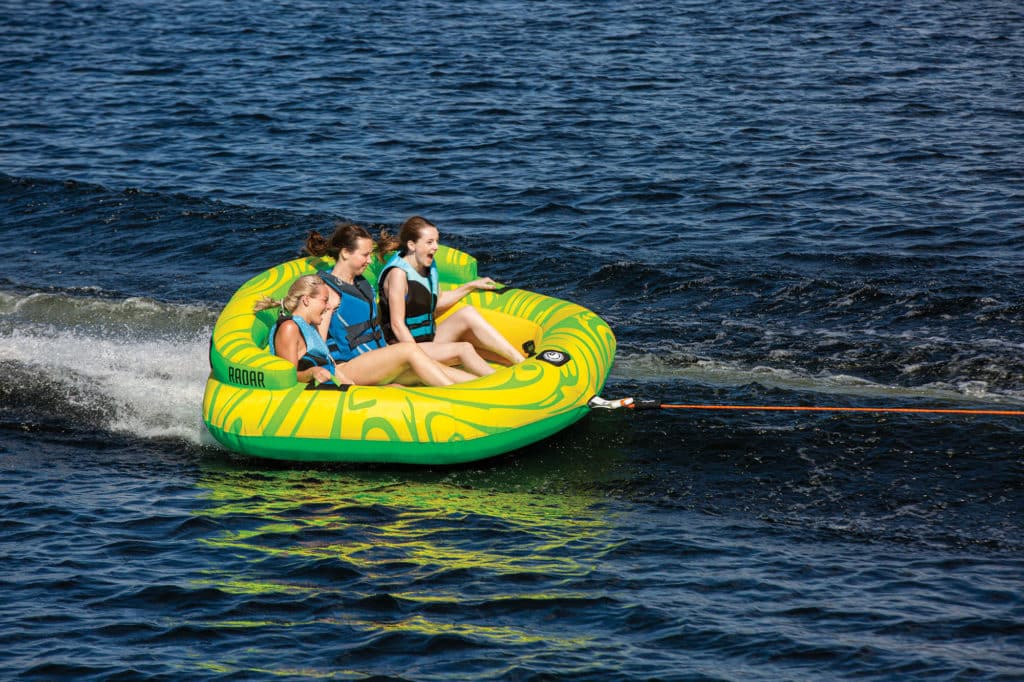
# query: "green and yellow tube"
[[254, 405]]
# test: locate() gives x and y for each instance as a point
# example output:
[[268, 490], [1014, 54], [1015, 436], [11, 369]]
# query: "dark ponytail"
[[346, 236]]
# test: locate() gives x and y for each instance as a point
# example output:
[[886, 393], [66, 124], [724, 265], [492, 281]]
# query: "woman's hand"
[[485, 283], [446, 299], [322, 374]]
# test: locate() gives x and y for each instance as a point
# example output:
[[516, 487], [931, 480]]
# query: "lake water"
[[771, 204]]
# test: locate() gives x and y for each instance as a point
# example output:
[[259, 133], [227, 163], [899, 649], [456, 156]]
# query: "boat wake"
[[125, 365]]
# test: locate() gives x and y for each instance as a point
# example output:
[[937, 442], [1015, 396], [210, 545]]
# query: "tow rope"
[[597, 402]]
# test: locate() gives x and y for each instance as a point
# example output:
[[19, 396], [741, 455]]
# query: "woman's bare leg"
[[459, 376], [409, 377], [458, 353], [467, 324], [384, 365]]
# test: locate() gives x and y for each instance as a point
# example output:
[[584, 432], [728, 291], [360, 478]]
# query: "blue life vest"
[[316, 354], [354, 328], [420, 301]]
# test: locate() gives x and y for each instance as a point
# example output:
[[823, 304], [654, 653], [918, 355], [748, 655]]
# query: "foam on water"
[[143, 361]]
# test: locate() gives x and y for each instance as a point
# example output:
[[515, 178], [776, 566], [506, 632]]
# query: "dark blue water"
[[772, 204]]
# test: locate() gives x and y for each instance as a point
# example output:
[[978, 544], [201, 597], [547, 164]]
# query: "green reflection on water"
[[381, 528], [494, 555]]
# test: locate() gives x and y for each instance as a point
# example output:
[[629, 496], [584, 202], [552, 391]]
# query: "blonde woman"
[[297, 339]]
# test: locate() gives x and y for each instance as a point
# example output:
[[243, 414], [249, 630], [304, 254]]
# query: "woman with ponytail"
[[296, 338], [410, 303], [354, 337]]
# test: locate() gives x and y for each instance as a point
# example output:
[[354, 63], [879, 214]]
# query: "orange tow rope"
[[802, 408], [598, 402]]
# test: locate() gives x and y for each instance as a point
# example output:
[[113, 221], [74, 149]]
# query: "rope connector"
[[597, 402]]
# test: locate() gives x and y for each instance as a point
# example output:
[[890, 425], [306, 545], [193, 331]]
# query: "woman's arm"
[[289, 344], [396, 286], [446, 299]]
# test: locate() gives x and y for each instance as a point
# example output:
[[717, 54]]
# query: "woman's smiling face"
[[421, 252], [359, 258], [317, 304]]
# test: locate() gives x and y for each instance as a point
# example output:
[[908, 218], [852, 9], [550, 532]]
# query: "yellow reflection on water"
[[371, 525], [433, 553]]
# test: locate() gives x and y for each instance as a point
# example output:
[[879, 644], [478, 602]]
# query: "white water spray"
[[145, 361]]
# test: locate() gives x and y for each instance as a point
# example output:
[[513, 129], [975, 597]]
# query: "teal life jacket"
[[420, 301], [354, 327], [316, 354]]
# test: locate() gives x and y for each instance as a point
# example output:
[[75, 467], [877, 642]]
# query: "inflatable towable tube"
[[253, 404]]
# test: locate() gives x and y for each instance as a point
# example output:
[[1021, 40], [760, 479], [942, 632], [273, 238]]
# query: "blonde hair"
[[307, 285]]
